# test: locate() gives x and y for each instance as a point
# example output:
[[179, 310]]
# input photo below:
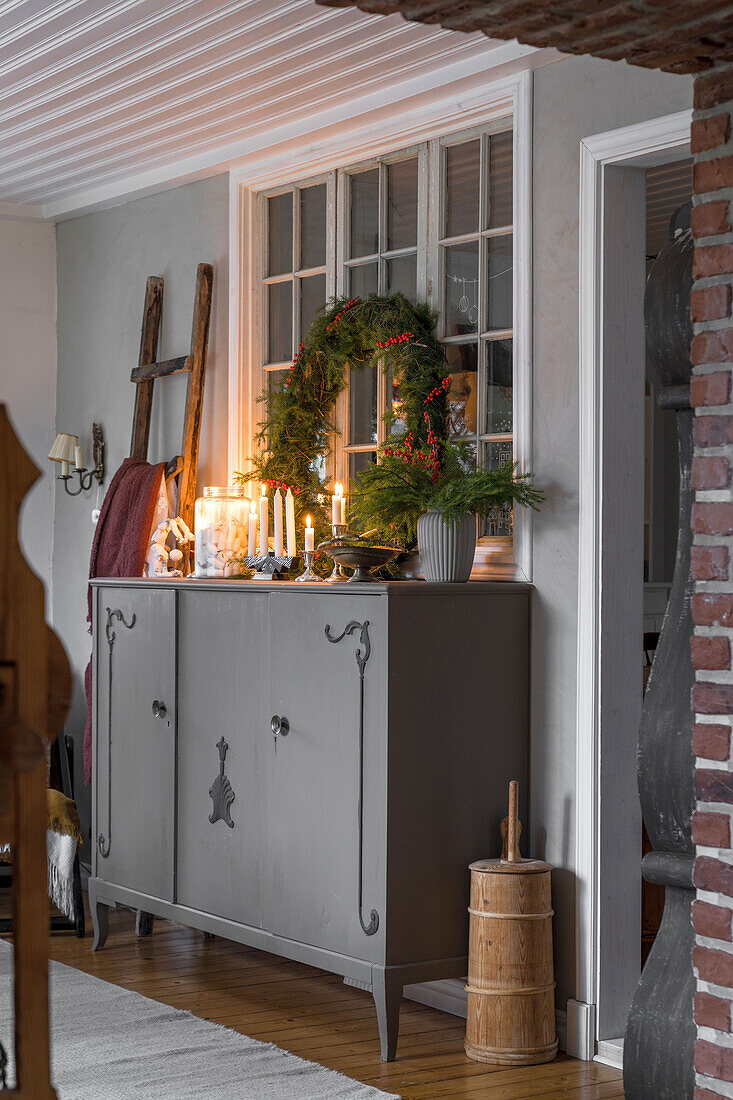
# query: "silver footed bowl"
[[359, 556]]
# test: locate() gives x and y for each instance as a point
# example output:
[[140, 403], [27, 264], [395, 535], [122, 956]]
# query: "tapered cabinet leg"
[[100, 920], [144, 923], [387, 992]]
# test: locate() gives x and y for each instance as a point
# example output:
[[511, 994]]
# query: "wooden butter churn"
[[511, 988]]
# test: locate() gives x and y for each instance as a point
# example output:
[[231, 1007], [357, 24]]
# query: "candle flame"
[[307, 521], [253, 508], [264, 490]]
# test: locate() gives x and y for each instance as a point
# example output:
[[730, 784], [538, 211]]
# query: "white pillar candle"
[[78, 458], [336, 504], [278, 519], [64, 468], [264, 523], [290, 522], [252, 539], [309, 536]]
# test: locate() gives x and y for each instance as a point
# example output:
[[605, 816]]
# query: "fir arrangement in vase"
[[434, 494]]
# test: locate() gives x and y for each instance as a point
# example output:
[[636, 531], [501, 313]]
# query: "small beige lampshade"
[[63, 448]]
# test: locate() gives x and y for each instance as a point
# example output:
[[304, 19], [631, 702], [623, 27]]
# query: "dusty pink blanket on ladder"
[[120, 545]]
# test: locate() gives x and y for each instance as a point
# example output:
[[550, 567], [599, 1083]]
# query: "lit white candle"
[[337, 501], [278, 517], [252, 539], [309, 536], [78, 458], [290, 522], [264, 523]]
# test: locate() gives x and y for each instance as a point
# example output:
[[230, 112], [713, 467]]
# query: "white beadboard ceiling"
[[103, 100]]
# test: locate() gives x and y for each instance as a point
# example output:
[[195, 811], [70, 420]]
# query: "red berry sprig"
[[384, 344], [271, 483], [349, 305]]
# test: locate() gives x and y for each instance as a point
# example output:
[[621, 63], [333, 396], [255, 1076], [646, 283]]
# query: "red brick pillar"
[[712, 524]]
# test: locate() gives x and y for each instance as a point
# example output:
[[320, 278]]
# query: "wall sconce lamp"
[[67, 451]]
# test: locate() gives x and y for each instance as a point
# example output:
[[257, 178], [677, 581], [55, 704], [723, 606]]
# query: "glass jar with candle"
[[221, 529]]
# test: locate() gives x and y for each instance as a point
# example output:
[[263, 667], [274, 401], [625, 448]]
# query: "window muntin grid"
[[458, 255]]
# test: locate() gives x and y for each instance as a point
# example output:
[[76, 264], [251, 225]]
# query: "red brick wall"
[[712, 524]]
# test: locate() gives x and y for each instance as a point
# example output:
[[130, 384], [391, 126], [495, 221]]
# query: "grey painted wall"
[[28, 370], [572, 100], [103, 261]]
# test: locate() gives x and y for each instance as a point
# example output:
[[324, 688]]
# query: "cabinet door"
[[135, 735], [320, 860], [223, 740]]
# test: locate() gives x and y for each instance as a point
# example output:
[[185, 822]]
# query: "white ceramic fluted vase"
[[446, 550]]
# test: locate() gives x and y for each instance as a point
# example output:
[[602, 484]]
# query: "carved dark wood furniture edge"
[[104, 843], [31, 716], [220, 791], [659, 1042], [363, 652]]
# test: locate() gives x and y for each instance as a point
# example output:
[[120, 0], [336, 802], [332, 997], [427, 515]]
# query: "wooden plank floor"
[[313, 1014]]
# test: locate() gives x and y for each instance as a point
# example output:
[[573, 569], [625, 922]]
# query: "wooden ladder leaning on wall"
[[147, 370], [35, 689]]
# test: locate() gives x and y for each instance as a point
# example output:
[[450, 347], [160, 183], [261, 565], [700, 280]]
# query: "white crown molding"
[[20, 212]]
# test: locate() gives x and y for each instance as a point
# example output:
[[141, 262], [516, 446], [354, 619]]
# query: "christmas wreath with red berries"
[[391, 333]]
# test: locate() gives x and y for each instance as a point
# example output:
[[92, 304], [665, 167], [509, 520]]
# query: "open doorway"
[[668, 199], [632, 181]]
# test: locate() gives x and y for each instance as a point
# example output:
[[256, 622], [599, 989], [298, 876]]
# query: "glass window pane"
[[500, 180], [402, 204], [461, 289], [280, 322], [360, 460], [499, 520], [365, 213], [462, 177], [280, 241], [402, 275], [499, 386], [463, 392], [363, 280], [501, 262], [313, 226], [363, 405], [276, 380], [275, 383], [312, 298]]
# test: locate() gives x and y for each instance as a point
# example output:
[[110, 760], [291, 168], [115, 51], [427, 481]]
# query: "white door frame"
[[601, 784]]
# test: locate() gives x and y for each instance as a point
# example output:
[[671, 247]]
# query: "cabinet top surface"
[[389, 588]]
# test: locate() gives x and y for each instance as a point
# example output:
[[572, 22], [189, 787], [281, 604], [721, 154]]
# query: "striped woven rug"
[[111, 1044]]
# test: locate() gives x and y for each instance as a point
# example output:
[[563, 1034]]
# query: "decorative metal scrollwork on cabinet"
[[363, 652], [114, 615], [220, 791]]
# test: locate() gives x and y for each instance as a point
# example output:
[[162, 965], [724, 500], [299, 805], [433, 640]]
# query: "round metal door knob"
[[159, 709], [280, 725]]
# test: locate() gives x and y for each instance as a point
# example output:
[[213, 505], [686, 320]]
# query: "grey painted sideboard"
[[308, 769]]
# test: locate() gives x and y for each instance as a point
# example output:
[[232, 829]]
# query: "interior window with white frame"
[[434, 221]]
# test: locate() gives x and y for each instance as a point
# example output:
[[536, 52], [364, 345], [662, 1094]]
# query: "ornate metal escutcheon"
[[363, 652], [114, 615], [220, 791]]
